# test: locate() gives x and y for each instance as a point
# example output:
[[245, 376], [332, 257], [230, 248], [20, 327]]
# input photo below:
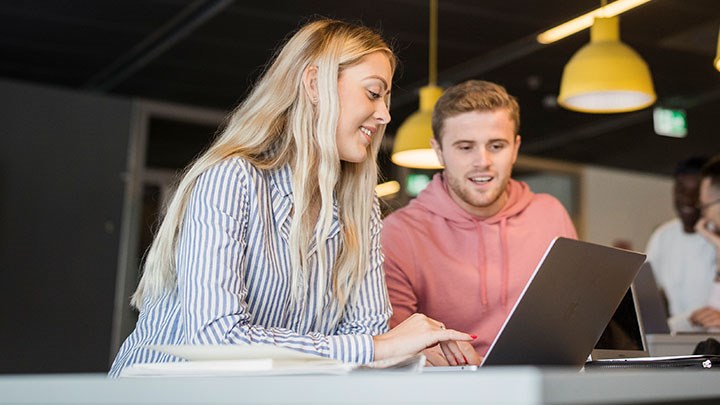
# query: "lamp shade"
[[606, 76], [412, 141]]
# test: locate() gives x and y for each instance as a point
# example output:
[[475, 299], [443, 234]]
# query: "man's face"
[[685, 197], [710, 201], [478, 151]]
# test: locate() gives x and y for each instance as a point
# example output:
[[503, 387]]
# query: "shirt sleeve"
[[398, 272], [368, 311]]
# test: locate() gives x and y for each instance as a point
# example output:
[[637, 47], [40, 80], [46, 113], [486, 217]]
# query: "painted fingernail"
[[473, 336]]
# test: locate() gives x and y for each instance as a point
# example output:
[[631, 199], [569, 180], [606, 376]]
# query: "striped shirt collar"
[[281, 178]]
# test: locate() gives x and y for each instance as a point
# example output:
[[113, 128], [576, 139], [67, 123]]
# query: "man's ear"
[[516, 148], [438, 150], [309, 79]]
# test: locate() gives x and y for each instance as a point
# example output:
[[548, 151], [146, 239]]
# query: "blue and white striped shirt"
[[233, 277]]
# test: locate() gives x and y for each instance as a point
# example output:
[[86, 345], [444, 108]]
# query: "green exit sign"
[[670, 122], [415, 183]]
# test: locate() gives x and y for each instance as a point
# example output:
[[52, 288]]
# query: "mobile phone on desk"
[[437, 369]]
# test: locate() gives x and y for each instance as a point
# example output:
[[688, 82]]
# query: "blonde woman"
[[273, 234]]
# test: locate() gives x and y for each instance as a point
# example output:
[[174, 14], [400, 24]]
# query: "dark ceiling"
[[207, 53]]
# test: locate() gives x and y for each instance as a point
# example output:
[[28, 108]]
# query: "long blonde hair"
[[278, 124]]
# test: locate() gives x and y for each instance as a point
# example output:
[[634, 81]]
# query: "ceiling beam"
[[169, 34], [474, 67]]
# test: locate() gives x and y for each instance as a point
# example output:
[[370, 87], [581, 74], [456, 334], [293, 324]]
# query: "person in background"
[[683, 261], [709, 227], [273, 235], [464, 249]]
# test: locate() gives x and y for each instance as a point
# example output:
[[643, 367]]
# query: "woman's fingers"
[[417, 333], [435, 357], [451, 334], [452, 353], [461, 352], [471, 356]]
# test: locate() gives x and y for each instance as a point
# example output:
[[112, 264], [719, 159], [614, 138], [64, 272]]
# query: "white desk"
[[520, 385]]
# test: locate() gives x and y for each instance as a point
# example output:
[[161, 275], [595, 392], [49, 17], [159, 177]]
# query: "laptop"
[[640, 313], [624, 342], [651, 307], [565, 306], [624, 335]]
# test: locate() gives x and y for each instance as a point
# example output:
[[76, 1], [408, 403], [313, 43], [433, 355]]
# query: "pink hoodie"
[[462, 270]]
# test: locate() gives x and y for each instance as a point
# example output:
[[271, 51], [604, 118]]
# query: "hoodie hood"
[[436, 199]]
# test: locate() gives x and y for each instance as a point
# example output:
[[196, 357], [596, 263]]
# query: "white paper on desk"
[[198, 368], [236, 352], [235, 360], [228, 368]]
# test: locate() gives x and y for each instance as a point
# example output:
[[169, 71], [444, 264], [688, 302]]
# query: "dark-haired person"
[[683, 260]]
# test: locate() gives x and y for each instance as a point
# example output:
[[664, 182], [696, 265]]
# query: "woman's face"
[[363, 91]]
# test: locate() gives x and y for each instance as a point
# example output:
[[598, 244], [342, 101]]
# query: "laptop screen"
[[623, 336], [650, 304]]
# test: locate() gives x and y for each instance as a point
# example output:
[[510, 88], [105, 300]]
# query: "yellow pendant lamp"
[[717, 56], [606, 76], [412, 140]]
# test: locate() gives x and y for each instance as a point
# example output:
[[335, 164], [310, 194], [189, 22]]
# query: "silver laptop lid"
[[565, 306]]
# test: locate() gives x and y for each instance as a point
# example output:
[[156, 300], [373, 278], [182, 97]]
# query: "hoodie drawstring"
[[505, 260], [504, 266], [482, 262]]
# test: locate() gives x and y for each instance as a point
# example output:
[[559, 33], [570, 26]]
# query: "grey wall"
[[62, 156]]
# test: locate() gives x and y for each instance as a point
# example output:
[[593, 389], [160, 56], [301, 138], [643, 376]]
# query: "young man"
[[709, 227], [464, 249], [683, 260]]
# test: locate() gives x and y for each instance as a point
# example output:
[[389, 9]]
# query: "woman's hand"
[[438, 356], [417, 333]]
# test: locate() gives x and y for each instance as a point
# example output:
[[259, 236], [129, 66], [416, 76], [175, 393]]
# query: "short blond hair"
[[473, 95]]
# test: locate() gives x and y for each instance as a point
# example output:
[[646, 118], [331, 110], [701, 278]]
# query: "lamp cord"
[[432, 71]]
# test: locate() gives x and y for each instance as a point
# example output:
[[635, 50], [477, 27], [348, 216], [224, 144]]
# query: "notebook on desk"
[[565, 306]]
